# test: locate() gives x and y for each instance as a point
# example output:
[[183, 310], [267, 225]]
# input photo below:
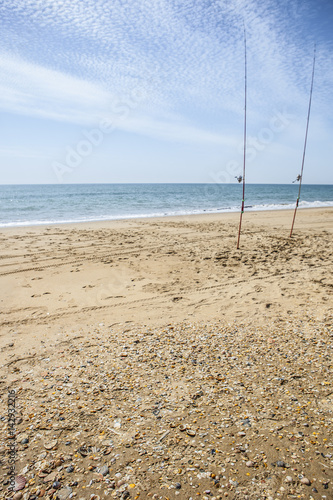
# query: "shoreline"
[[161, 218]]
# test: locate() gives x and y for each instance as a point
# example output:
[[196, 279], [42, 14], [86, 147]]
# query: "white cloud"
[[32, 89], [175, 130], [80, 56]]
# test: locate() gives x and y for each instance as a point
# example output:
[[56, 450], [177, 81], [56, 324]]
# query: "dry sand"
[[151, 359]]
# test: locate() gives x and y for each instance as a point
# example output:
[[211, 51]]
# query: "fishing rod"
[[300, 177], [244, 159]]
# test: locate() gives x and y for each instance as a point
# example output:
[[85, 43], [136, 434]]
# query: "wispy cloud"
[[33, 89], [80, 56]]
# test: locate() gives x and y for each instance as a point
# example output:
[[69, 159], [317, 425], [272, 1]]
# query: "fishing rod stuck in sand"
[[300, 176], [242, 178]]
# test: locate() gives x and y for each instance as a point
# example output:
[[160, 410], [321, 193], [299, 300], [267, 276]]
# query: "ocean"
[[26, 205]]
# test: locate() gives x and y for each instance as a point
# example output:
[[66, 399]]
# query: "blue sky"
[[153, 90]]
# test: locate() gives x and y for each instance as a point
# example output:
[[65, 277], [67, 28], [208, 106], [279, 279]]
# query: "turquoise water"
[[22, 205]]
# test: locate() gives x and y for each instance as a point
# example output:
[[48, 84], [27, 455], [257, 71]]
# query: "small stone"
[[288, 479], [64, 493], [249, 463], [233, 483], [178, 486], [56, 485], [18, 495], [104, 470], [25, 441], [182, 427], [306, 481], [51, 444], [241, 434], [280, 463], [70, 469]]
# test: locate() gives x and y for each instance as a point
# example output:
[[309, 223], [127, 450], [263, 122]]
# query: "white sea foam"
[[170, 213]]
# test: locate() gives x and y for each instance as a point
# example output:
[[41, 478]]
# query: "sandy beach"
[[151, 359]]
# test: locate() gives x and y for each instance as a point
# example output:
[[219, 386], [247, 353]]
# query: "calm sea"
[[23, 205]]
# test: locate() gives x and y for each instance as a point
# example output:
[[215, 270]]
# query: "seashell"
[[191, 432], [20, 483], [51, 444], [83, 451], [182, 427]]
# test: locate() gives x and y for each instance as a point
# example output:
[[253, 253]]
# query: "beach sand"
[[151, 359]]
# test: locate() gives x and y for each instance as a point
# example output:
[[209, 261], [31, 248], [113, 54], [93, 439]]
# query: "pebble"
[[280, 463], [306, 481], [51, 444], [104, 470], [50, 477], [111, 438], [64, 493], [18, 495]]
